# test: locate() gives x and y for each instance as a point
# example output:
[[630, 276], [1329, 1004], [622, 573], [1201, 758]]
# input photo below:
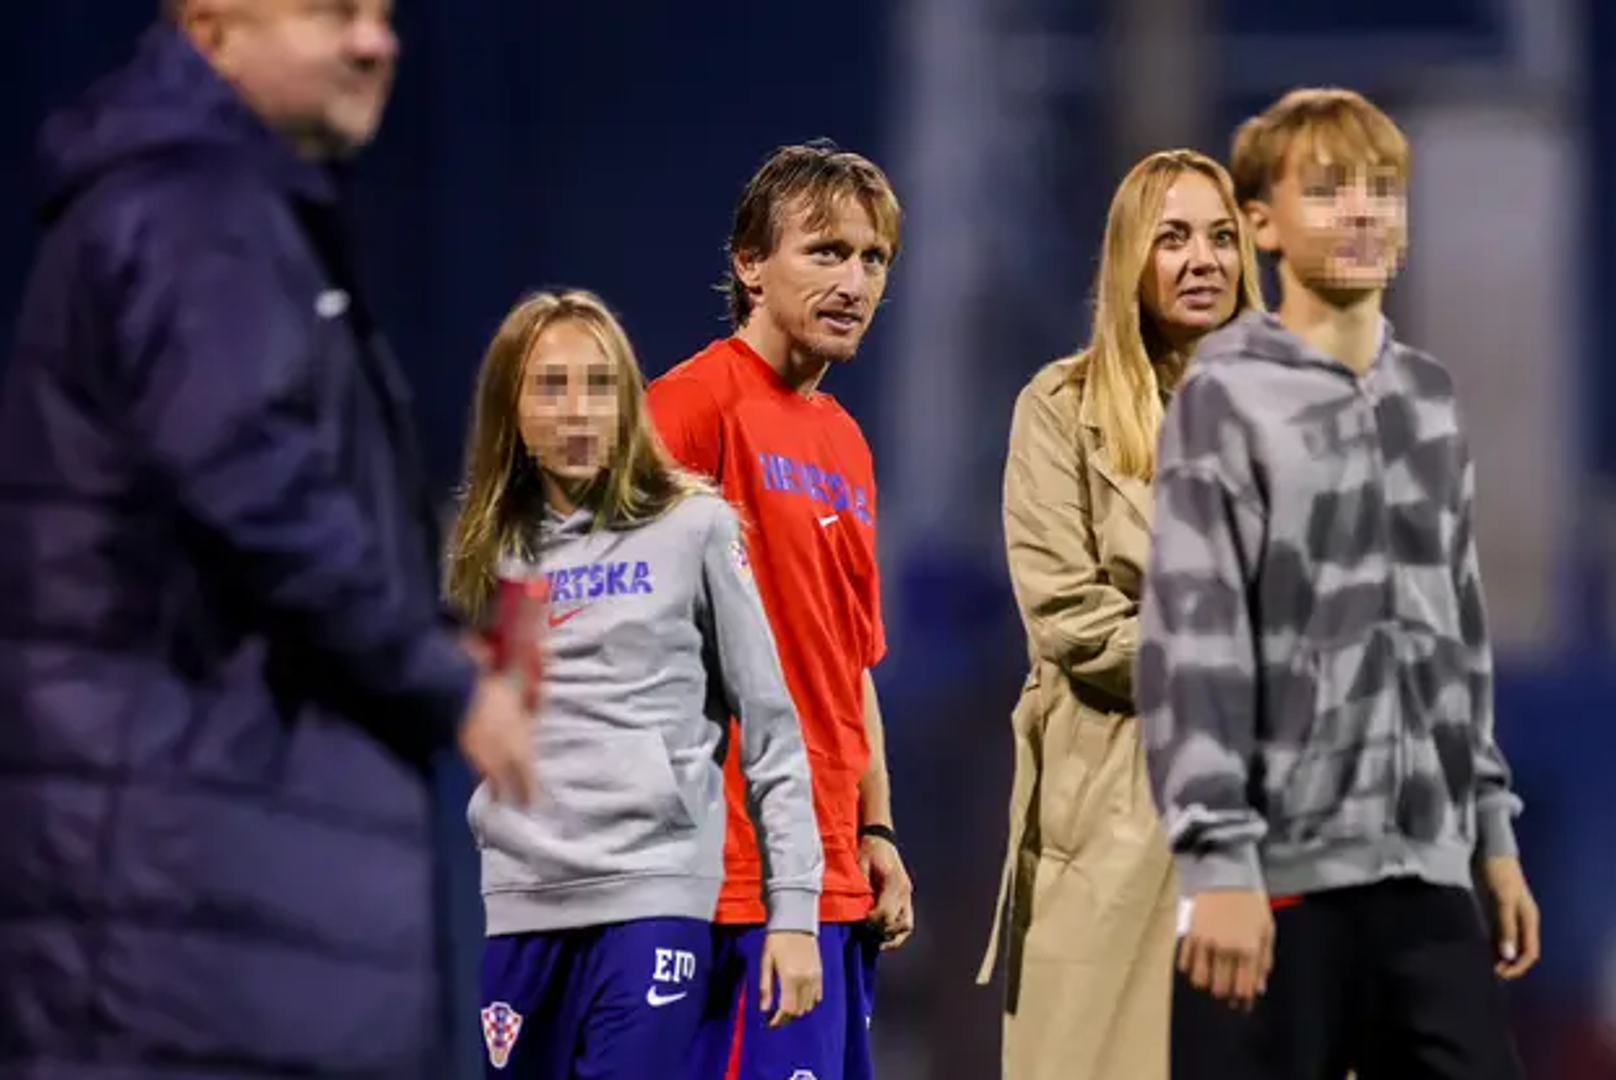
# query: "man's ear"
[[1260, 220], [203, 22], [748, 270]]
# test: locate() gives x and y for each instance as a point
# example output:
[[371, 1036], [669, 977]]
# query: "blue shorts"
[[600, 1003], [830, 1043]]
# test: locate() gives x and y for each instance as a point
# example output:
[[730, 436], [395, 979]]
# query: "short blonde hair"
[[1340, 125], [817, 175]]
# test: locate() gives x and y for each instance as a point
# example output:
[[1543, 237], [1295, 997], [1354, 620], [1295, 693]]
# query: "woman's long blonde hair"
[[501, 499], [1122, 389]]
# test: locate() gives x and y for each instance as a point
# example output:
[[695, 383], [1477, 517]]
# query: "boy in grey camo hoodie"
[[1314, 675]]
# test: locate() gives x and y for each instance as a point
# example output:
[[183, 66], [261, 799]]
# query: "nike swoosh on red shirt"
[[557, 620]]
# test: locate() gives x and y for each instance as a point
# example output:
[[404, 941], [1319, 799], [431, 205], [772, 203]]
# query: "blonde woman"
[[599, 895], [1088, 900]]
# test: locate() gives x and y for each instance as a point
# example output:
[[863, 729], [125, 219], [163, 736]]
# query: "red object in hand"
[[514, 636]]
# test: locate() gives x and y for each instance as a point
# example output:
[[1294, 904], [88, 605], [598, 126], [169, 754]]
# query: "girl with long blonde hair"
[[1088, 901], [599, 894], [603, 455]]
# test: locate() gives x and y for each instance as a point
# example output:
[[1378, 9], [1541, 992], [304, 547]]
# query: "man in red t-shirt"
[[814, 236]]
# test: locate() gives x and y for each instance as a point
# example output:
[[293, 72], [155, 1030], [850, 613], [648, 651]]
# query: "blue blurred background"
[[603, 145]]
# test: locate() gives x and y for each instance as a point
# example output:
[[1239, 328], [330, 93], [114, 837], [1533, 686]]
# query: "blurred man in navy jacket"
[[223, 671]]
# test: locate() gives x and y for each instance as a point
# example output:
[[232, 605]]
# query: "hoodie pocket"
[[614, 783], [1331, 758], [607, 803]]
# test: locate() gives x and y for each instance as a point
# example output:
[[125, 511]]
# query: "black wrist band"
[[882, 832]]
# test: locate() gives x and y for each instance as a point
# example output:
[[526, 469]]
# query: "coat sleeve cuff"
[[446, 680]]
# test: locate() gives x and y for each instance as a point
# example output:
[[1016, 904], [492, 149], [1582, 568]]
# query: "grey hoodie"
[[655, 637], [1314, 676]]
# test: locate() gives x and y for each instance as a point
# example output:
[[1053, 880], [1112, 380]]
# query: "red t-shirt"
[[800, 472]]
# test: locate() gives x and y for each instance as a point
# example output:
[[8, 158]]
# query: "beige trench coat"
[[1087, 901]]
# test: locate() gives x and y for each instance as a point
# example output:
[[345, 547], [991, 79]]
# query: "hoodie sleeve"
[[1496, 804], [1196, 683], [221, 366], [773, 760]]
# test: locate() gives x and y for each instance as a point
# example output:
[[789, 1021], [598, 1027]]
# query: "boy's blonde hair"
[[1340, 126]]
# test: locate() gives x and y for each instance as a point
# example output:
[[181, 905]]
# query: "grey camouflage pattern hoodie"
[[1314, 677]]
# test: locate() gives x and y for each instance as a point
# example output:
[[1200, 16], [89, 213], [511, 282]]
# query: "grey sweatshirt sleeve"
[[1196, 680], [1496, 803], [773, 759]]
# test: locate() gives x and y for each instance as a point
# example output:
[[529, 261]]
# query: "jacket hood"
[[1259, 335], [167, 102], [570, 526]]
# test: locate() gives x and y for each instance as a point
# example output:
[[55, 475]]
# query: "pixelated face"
[[568, 406], [823, 282], [1341, 228], [318, 71], [1191, 281]]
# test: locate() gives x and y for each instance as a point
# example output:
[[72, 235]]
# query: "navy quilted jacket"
[[223, 668]]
